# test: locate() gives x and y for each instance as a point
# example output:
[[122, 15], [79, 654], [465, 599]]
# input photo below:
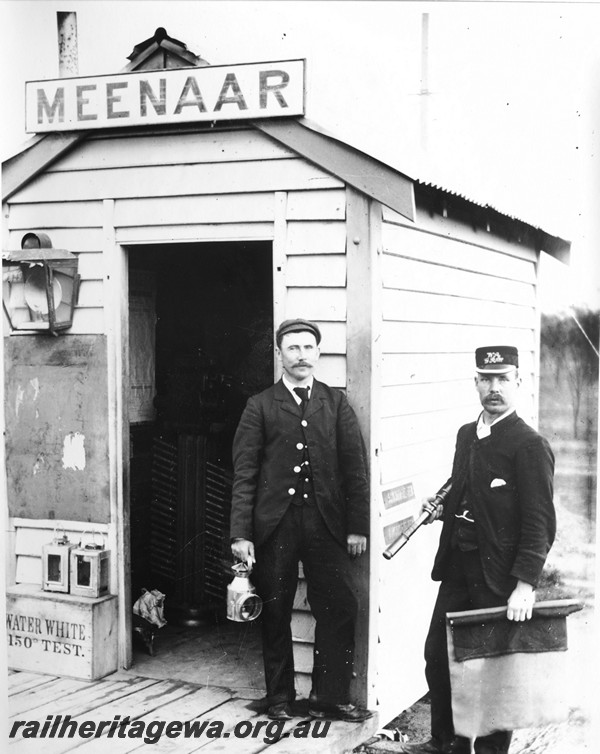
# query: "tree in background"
[[569, 347]]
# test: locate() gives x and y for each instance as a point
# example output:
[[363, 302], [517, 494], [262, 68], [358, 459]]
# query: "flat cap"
[[297, 325], [496, 359]]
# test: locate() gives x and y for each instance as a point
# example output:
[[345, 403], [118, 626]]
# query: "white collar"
[[485, 430], [290, 386]]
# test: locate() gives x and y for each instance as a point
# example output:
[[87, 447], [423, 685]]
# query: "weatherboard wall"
[[113, 193], [401, 305], [445, 289]]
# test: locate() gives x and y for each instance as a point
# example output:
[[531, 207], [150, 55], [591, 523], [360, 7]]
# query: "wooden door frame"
[[116, 281]]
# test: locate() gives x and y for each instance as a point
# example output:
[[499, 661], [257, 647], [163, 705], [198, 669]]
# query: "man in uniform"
[[300, 493], [498, 526]]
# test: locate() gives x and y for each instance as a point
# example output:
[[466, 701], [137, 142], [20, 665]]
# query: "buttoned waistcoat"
[[268, 449], [508, 480]]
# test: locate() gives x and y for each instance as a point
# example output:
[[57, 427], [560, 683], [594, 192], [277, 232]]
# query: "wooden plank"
[[117, 333], [19, 169], [303, 626], [331, 736], [303, 657], [83, 240], [317, 304], [21, 681], [363, 239], [279, 268], [300, 598], [393, 217], [411, 368], [195, 233], [317, 205], [312, 271], [50, 523], [172, 149], [316, 238], [256, 740], [103, 701], [427, 247], [411, 306], [397, 431], [408, 274], [30, 540], [28, 570], [91, 265], [303, 683], [332, 370], [199, 704], [421, 337], [400, 462], [181, 180], [406, 400], [91, 294], [333, 337], [450, 227], [88, 322], [51, 214], [38, 700], [366, 174], [195, 210]]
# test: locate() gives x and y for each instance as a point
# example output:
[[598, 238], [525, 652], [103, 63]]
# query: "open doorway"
[[201, 342]]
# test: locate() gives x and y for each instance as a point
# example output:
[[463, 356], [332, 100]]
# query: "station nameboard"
[[176, 95]]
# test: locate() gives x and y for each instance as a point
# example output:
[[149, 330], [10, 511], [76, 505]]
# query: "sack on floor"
[[148, 616]]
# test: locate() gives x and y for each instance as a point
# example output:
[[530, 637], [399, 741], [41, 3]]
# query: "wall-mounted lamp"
[[40, 285]]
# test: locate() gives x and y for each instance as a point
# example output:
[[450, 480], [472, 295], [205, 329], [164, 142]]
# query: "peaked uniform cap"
[[496, 359]]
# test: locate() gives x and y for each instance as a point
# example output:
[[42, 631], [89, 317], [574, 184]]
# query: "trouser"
[[302, 535], [463, 588]]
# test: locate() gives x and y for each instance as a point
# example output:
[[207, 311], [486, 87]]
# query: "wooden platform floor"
[[213, 677]]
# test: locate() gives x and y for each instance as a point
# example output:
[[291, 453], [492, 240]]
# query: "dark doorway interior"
[[212, 349]]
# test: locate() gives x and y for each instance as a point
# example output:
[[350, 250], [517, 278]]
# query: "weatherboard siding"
[[196, 187], [201, 187], [441, 297]]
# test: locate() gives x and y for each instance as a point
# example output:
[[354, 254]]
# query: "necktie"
[[302, 393]]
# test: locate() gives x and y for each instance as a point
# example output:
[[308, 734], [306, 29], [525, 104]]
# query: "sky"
[[503, 108]]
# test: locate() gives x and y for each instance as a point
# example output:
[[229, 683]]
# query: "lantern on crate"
[[55, 564], [90, 570]]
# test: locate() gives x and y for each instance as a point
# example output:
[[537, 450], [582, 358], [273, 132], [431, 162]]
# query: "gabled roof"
[[34, 158], [366, 174]]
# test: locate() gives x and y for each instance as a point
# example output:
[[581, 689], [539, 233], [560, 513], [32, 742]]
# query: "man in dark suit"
[[498, 526], [300, 493]]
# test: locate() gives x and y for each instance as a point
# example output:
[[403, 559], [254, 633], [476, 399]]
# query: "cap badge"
[[493, 357]]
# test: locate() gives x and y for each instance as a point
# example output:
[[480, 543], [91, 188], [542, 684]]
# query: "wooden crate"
[[59, 634]]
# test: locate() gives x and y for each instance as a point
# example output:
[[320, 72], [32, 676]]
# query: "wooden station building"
[[202, 212]]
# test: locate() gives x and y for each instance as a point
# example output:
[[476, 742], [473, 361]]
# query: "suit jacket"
[[269, 444], [508, 480]]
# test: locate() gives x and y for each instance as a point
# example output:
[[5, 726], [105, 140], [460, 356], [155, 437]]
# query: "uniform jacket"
[[510, 490], [269, 444]]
